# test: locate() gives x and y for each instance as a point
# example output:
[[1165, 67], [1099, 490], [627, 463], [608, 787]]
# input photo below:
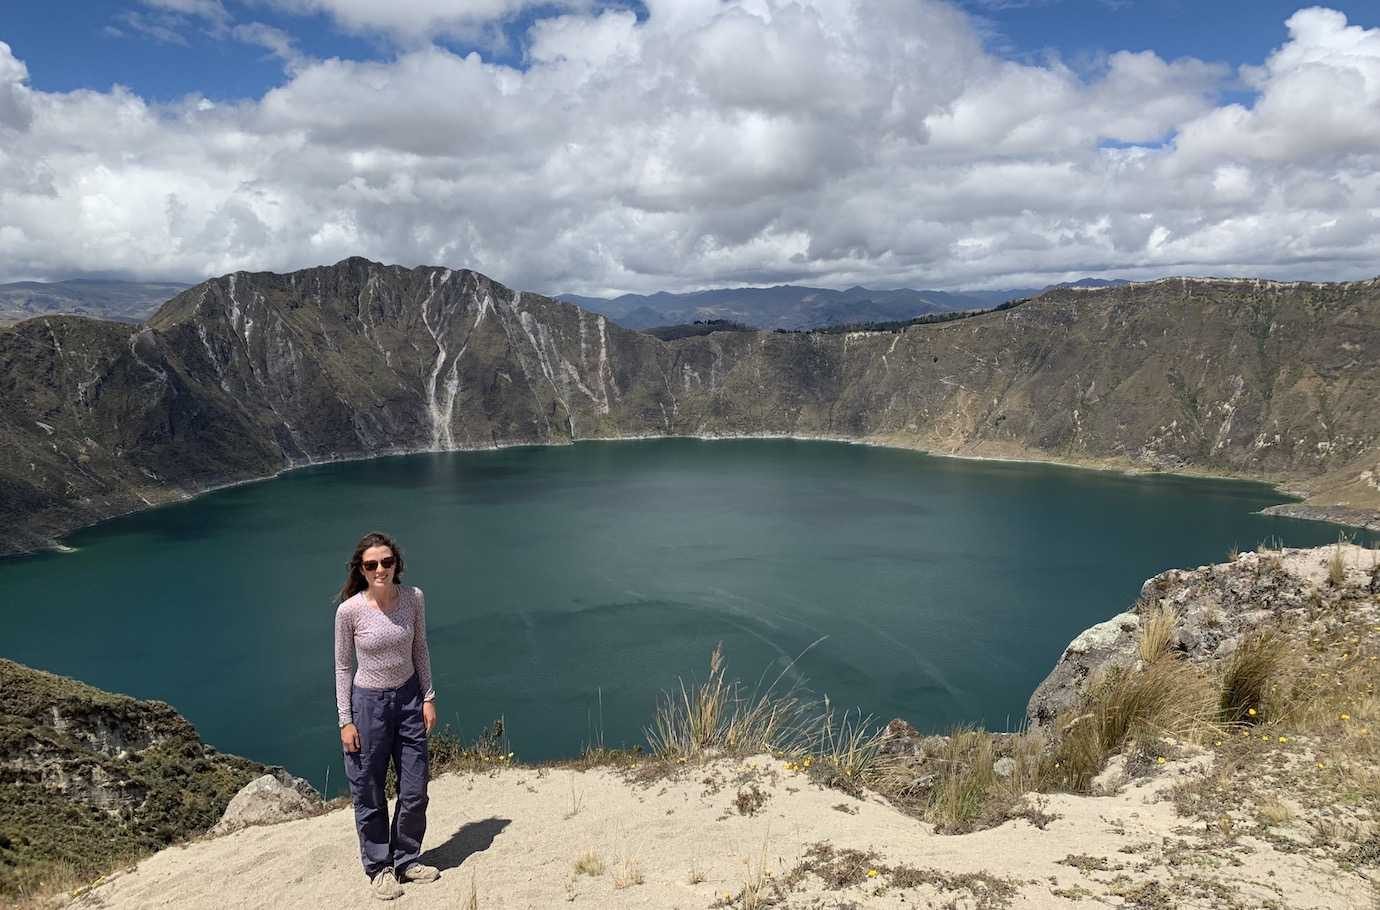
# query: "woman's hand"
[[429, 715], [349, 737]]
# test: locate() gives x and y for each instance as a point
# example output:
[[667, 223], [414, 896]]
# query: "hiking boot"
[[385, 886], [420, 873]]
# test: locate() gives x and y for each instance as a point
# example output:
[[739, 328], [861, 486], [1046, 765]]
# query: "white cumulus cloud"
[[824, 141]]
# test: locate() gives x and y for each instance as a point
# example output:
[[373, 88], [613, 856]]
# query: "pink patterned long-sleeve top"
[[388, 647]]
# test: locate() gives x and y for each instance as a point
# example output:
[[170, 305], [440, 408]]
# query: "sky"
[[606, 146]]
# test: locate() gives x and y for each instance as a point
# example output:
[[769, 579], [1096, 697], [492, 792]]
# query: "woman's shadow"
[[471, 838]]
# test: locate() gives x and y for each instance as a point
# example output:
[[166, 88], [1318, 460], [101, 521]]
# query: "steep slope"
[[88, 777], [249, 374]]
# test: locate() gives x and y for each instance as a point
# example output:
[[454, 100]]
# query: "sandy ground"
[[513, 838]]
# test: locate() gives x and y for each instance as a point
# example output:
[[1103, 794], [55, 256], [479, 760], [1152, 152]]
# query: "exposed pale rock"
[[1215, 608], [266, 800], [1107, 644]]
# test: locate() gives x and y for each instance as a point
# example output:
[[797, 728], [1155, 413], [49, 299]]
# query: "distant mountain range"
[[790, 306], [781, 307], [122, 301]]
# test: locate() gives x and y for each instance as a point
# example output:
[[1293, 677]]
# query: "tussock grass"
[[1157, 633], [589, 863], [965, 792], [1336, 563], [1249, 676], [967, 778], [720, 717], [850, 746], [1165, 698]]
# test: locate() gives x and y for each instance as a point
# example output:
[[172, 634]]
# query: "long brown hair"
[[354, 569]]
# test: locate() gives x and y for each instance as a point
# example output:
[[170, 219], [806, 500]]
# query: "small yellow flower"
[[1159, 760], [1284, 739], [1346, 717], [1320, 764], [871, 873], [1251, 712], [1217, 743]]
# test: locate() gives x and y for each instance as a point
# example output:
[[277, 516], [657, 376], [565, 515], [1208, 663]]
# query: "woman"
[[386, 711]]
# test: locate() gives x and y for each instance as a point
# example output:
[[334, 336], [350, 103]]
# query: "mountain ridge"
[[249, 374]]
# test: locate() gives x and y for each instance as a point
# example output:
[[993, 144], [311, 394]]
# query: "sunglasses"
[[372, 564]]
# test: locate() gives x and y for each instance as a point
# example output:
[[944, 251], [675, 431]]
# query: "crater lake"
[[568, 586]]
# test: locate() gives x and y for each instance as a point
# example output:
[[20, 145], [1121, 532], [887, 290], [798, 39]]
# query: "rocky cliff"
[[247, 375], [88, 778]]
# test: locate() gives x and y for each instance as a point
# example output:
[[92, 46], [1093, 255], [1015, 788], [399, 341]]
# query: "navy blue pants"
[[391, 729]]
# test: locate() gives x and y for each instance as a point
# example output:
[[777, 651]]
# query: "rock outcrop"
[[1214, 609], [87, 776]]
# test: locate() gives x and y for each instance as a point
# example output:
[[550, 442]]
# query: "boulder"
[[268, 800], [1107, 644]]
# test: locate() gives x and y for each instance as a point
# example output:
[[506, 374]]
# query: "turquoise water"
[[569, 584]]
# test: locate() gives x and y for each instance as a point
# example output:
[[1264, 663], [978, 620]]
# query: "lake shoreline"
[[1346, 516]]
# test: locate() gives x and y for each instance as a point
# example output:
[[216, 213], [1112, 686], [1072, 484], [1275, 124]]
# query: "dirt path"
[[515, 837]]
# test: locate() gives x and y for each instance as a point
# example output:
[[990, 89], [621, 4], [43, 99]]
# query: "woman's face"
[[380, 577]]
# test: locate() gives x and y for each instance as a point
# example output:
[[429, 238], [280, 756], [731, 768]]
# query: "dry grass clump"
[[589, 863], [1165, 698], [720, 717], [1250, 675], [1336, 564], [627, 874], [962, 789], [1157, 633], [848, 749], [961, 796]]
